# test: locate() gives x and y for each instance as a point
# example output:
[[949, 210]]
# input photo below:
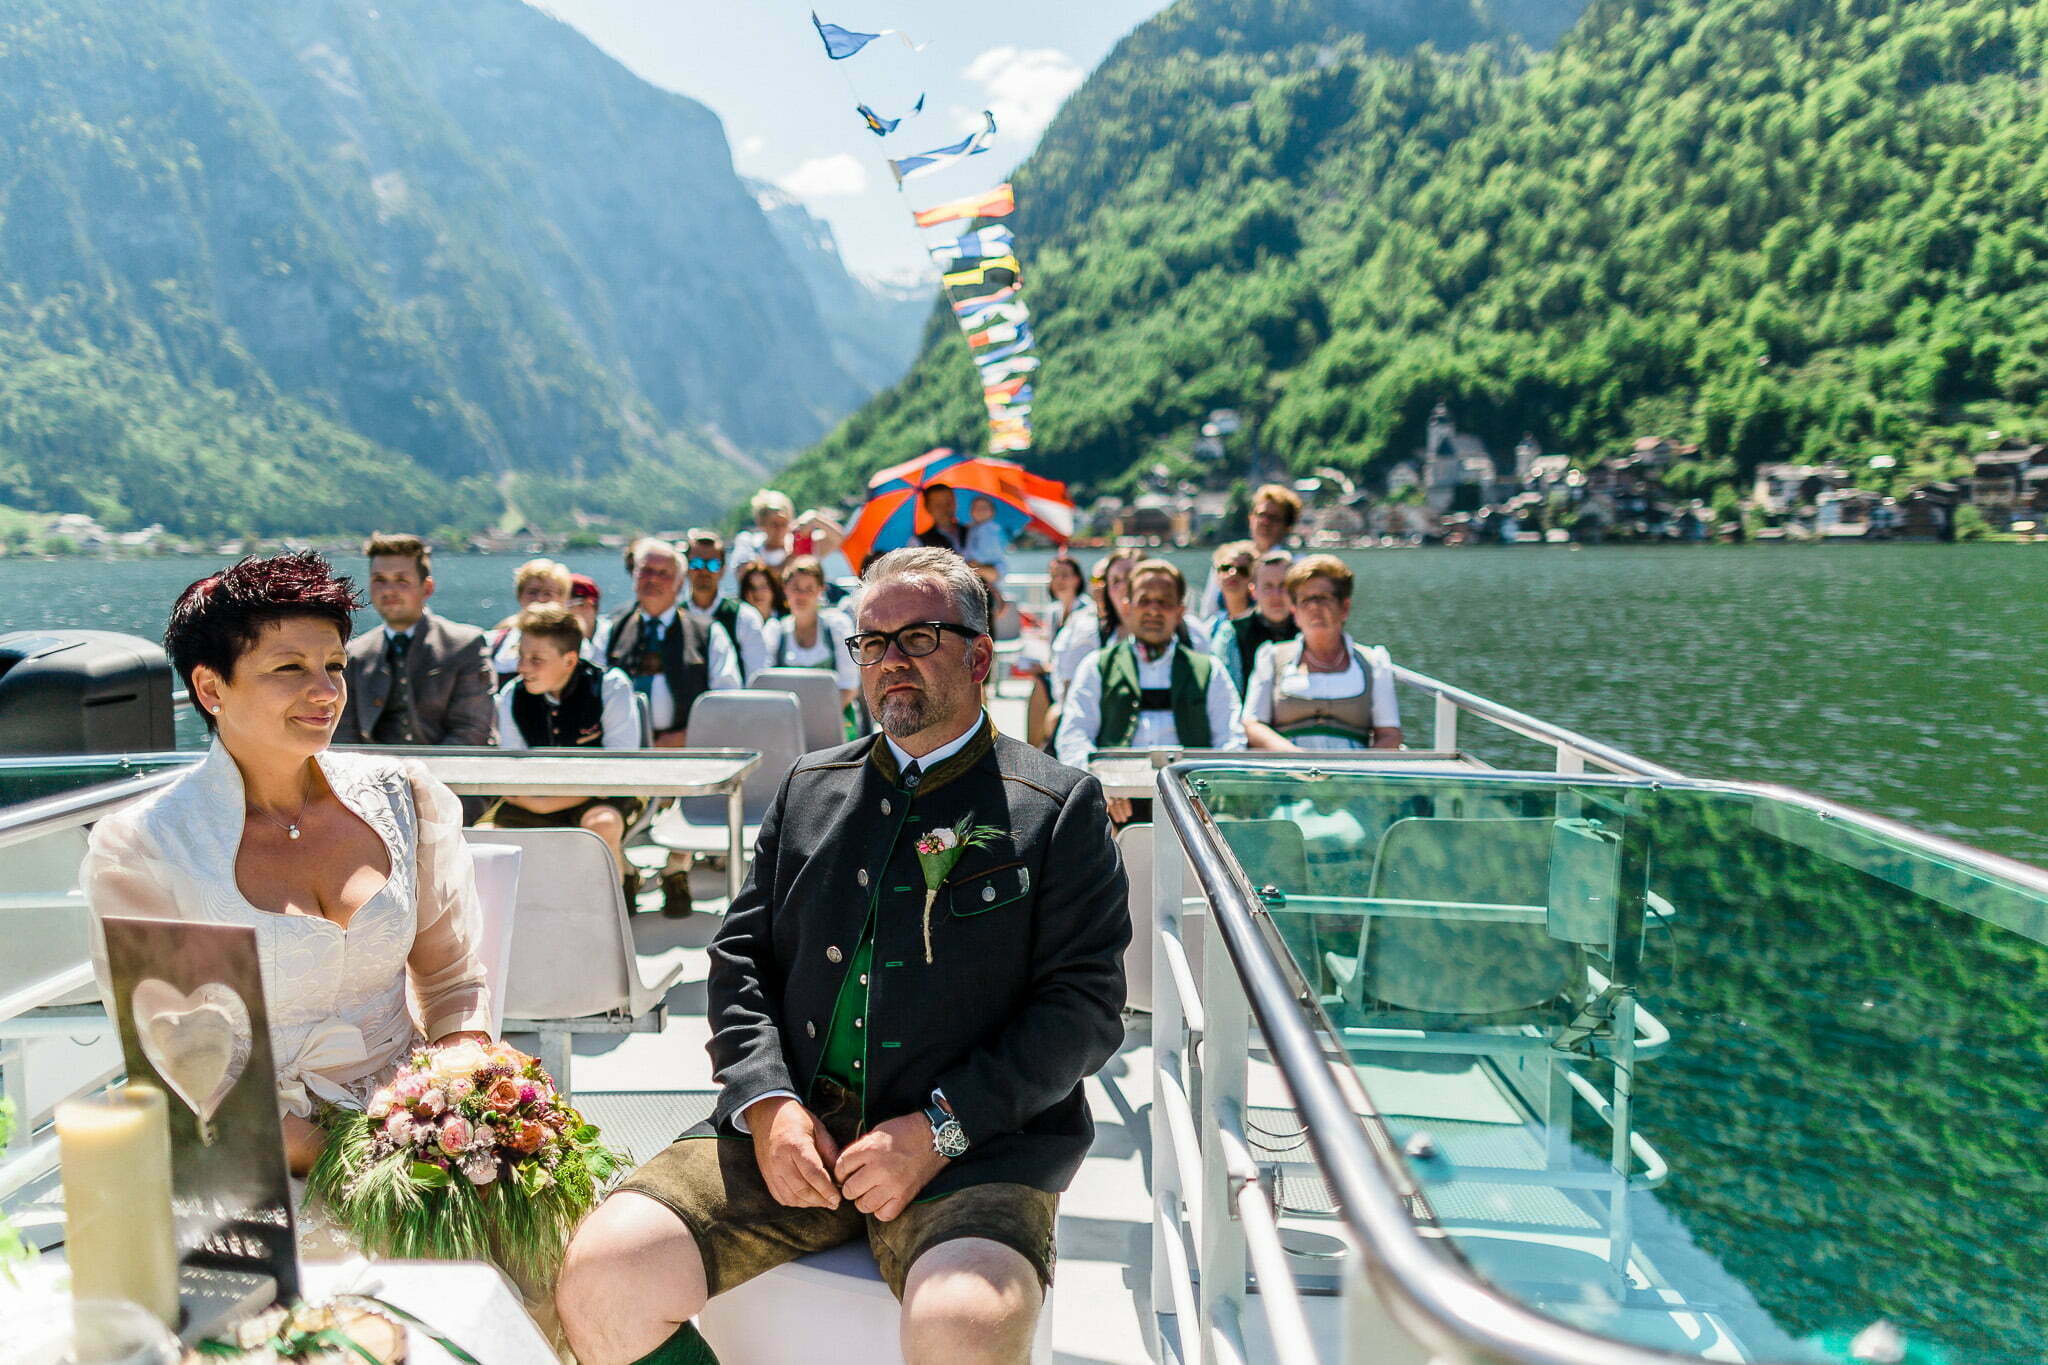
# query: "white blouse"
[[340, 1018], [828, 650], [1266, 682]]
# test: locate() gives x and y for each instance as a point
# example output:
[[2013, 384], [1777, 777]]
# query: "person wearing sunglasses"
[[738, 621], [1231, 567], [895, 1066]]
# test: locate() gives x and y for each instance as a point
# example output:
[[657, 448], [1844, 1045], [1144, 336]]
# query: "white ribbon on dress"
[[331, 1046]]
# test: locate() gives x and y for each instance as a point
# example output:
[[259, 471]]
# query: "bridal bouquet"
[[468, 1154]]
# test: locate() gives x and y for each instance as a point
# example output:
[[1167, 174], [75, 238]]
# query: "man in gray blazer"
[[416, 679]]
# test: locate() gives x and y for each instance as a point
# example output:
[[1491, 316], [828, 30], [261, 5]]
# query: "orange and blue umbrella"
[[894, 515]]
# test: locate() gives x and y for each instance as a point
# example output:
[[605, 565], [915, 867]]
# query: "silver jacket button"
[[833, 954], [988, 893], [861, 876], [810, 1028], [886, 807]]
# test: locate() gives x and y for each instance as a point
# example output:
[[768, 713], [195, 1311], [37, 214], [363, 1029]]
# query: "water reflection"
[[1832, 1042]]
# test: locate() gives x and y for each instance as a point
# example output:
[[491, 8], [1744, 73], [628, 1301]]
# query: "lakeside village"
[[1453, 491]]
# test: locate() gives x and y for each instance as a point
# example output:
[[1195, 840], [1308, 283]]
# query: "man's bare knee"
[[631, 1276], [970, 1300]]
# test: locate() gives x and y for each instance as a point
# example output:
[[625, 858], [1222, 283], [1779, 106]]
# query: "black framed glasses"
[[919, 638]]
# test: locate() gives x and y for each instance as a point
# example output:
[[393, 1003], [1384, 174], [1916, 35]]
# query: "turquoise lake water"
[[1910, 680]]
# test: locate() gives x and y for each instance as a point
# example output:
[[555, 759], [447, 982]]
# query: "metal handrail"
[[1435, 1296], [18, 824], [1529, 727]]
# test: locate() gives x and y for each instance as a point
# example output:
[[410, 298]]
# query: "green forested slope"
[[327, 264], [1783, 228]]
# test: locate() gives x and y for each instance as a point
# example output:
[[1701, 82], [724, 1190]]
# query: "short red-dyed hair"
[[219, 618]]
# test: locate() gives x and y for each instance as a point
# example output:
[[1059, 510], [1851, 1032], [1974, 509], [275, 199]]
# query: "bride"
[[351, 869]]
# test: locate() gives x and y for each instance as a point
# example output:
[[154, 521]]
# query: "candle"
[[116, 1160]]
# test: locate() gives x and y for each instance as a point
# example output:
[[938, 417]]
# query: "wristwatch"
[[949, 1139]]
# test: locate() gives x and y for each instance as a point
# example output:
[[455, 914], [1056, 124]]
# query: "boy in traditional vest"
[[1147, 691], [562, 700]]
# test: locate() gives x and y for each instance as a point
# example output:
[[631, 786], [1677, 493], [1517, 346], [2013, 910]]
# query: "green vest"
[[1122, 697]]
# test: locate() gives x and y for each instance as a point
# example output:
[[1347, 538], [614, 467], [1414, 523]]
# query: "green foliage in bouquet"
[[469, 1154]]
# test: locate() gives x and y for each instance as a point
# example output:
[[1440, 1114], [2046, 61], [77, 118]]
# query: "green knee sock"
[[686, 1347]]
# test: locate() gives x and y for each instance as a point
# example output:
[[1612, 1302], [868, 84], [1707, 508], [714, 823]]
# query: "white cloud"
[[1023, 88], [750, 147], [827, 177]]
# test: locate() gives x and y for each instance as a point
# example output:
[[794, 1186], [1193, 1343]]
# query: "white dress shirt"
[[1081, 715], [719, 660], [621, 716], [747, 627]]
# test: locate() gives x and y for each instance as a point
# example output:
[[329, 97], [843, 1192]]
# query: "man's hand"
[[885, 1168], [1119, 810], [794, 1152]]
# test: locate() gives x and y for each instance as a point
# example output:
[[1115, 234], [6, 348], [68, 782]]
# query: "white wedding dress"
[[337, 997]]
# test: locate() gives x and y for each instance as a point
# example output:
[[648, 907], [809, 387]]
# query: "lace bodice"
[[340, 1019]]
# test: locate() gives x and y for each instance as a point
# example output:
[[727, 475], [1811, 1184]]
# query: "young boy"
[[986, 543]]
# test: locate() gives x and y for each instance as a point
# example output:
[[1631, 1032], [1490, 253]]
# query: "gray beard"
[[906, 714]]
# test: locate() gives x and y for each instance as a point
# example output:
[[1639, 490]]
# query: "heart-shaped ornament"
[[199, 1043]]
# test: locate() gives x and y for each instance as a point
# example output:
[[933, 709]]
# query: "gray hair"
[[937, 568], [654, 544]]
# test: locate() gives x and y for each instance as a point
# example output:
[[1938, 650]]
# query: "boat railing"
[[1407, 1295], [1574, 751], [31, 1008], [40, 996]]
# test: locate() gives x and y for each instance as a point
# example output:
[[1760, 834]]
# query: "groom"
[[894, 1067]]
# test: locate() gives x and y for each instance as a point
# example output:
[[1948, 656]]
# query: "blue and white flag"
[[994, 371], [990, 315], [1022, 344], [990, 241], [882, 127], [937, 157], [841, 43]]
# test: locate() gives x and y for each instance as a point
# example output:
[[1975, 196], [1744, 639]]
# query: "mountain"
[[320, 264], [874, 327], [1782, 229]]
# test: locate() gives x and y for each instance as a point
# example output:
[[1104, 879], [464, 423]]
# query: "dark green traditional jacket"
[[1123, 699], [1023, 998]]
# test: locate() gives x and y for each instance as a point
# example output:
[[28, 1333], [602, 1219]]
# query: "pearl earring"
[[216, 710]]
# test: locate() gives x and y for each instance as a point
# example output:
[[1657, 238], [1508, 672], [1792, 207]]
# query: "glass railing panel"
[[1694, 1067], [33, 779]]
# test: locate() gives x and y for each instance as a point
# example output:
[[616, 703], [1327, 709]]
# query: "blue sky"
[[789, 113]]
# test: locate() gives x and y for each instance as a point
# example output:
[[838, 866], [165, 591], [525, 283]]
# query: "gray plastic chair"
[[768, 722], [575, 967], [817, 695]]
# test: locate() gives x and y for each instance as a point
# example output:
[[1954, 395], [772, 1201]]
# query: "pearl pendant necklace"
[[290, 829]]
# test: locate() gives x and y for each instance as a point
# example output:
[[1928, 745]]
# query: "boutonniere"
[[937, 852]]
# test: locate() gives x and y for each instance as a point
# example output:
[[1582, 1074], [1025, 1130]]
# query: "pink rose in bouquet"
[[469, 1153]]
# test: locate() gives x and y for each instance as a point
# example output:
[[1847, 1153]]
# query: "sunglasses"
[[708, 565], [1232, 571], [919, 638]]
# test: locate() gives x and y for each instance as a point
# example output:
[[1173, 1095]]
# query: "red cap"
[[582, 585]]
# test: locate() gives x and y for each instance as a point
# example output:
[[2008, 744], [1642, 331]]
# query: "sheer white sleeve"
[[447, 971]]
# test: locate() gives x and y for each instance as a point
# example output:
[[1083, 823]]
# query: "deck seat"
[[830, 1306], [574, 967], [817, 695], [768, 722], [1137, 845]]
